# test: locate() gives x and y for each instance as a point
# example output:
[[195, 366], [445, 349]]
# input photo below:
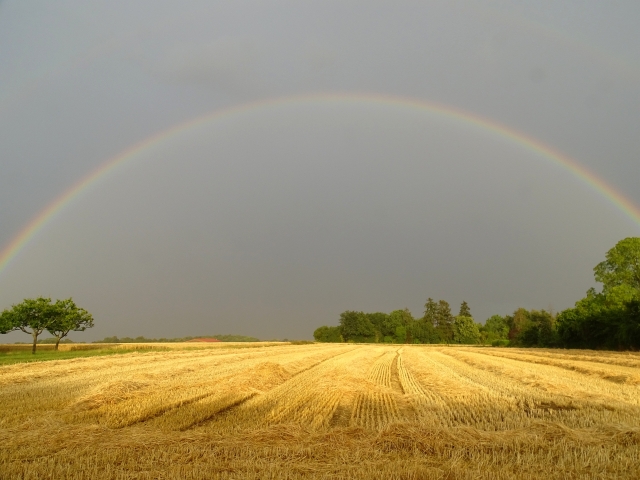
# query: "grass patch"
[[11, 357]]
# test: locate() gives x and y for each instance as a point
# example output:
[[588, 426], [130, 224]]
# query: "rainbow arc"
[[44, 217]]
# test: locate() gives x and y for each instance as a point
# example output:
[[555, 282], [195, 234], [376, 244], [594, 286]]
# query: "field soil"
[[323, 411]]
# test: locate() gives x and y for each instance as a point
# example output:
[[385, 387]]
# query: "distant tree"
[[66, 317], [621, 266], [443, 313], [379, 320], [399, 325], [32, 316], [628, 334], [390, 323], [537, 330], [495, 328], [465, 331], [109, 340], [430, 312], [422, 331], [464, 310], [401, 334], [546, 323], [517, 323], [584, 326], [328, 334], [356, 327], [444, 321]]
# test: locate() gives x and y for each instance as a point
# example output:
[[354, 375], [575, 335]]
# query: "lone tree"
[[68, 317], [34, 316], [465, 311]]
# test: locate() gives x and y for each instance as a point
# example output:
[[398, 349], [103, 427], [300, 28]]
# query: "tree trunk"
[[57, 343], [35, 340]]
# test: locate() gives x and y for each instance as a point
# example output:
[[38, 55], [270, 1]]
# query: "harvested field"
[[324, 411]]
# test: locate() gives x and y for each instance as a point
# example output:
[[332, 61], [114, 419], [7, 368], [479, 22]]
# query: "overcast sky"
[[272, 221]]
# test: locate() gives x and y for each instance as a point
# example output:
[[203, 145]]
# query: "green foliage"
[[35, 315], [356, 327], [465, 311], [535, 328], [546, 329], [67, 317], [430, 312], [608, 319], [21, 356], [517, 323], [380, 322], [495, 328], [596, 323], [621, 266], [32, 316], [328, 334], [399, 326], [465, 331], [401, 317], [444, 321], [388, 327], [401, 334], [422, 331], [7, 322]]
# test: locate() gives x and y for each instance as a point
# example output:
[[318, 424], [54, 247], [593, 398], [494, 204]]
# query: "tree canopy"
[[35, 315], [67, 317], [465, 330], [465, 311], [621, 266], [328, 334]]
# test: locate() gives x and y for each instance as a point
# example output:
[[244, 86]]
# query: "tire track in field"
[[375, 408], [426, 404]]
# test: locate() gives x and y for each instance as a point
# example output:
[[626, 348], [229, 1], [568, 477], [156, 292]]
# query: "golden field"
[[323, 411]]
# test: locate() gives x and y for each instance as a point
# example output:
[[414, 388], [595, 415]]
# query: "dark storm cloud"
[[273, 222]]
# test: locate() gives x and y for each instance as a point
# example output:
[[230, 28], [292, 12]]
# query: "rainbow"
[[18, 243]]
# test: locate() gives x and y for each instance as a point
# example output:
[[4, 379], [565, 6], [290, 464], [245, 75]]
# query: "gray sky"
[[272, 221]]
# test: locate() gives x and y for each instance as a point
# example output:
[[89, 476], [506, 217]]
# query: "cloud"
[[229, 65]]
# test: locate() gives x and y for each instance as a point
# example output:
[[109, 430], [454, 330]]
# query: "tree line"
[[609, 319], [437, 325], [35, 315]]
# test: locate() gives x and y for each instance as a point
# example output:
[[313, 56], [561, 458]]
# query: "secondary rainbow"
[[17, 244]]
